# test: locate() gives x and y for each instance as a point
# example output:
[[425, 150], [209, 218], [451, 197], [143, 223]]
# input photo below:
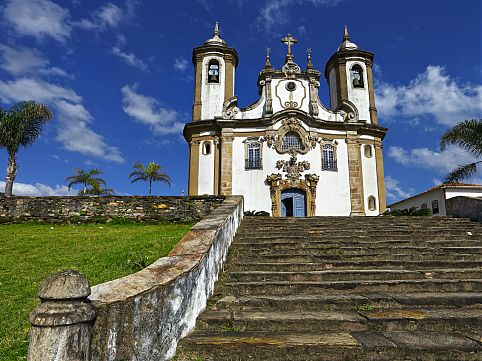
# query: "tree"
[[97, 190], [152, 173], [86, 178], [468, 135], [20, 126], [413, 211]]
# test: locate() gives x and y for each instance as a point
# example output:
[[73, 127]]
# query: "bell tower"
[[349, 75], [215, 64]]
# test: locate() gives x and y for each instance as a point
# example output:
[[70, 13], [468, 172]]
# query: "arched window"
[[424, 206], [213, 71], [253, 155], [357, 76], [291, 140], [435, 207], [207, 148], [368, 151], [328, 159], [372, 203]]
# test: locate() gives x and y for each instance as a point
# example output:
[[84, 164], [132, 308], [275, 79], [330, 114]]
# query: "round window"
[[291, 86]]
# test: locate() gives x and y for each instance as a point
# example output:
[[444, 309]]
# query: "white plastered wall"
[[301, 95], [427, 198], [359, 96], [212, 94], [457, 192], [370, 183], [333, 190], [206, 170]]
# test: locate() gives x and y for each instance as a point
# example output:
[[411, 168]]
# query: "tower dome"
[[347, 44], [215, 40]]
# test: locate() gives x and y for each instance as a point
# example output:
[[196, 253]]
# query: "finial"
[[310, 64], [267, 65], [216, 29], [346, 37]]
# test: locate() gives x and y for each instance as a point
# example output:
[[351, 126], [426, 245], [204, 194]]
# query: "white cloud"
[[441, 162], [275, 12], [38, 18], [107, 16], [432, 93], [24, 61], [73, 119], [39, 189], [181, 64], [130, 58], [30, 88], [146, 110], [394, 190]]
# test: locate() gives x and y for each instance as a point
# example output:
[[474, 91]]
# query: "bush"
[[413, 211], [257, 213]]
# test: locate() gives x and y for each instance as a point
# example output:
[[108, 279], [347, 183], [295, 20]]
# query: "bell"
[[357, 82]]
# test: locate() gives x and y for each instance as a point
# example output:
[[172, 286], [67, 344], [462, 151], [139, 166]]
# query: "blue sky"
[[119, 78]]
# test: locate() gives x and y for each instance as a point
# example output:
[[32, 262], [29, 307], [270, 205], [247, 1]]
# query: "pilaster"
[[194, 167], [382, 206], [371, 93], [355, 174], [226, 186]]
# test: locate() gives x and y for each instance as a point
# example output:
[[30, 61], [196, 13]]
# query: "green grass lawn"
[[102, 252]]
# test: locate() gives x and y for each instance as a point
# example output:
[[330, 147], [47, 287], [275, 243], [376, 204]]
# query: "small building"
[[288, 153], [436, 198]]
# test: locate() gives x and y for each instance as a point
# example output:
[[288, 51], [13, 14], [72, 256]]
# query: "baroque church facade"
[[287, 153]]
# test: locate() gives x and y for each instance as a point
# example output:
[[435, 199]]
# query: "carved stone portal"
[[293, 170]]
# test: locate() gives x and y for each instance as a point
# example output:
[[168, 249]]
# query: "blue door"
[[293, 203]]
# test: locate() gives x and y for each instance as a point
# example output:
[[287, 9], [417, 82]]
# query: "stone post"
[[62, 324]]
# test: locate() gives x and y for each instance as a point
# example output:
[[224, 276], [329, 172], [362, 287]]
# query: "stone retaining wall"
[[465, 207], [142, 316], [88, 209]]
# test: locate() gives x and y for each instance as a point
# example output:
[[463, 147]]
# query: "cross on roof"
[[289, 40]]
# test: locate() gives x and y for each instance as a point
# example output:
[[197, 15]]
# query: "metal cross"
[[268, 51], [289, 40]]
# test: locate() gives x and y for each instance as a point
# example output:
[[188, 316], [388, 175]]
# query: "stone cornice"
[[229, 54], [217, 125], [340, 57]]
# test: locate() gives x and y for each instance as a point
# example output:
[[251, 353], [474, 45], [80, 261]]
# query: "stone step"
[[327, 346], [351, 275], [458, 319], [350, 236], [321, 250], [396, 286], [348, 301], [327, 258], [420, 265], [317, 242]]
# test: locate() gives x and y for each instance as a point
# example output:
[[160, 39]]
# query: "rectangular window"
[[328, 161], [253, 160], [435, 207]]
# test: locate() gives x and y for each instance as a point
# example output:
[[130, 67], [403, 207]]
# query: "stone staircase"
[[340, 288]]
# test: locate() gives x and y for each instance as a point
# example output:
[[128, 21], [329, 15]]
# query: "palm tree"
[[20, 126], [97, 190], [152, 173], [413, 211], [86, 178], [468, 135]]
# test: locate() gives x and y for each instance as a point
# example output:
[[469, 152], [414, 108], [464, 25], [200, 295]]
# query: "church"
[[288, 154]]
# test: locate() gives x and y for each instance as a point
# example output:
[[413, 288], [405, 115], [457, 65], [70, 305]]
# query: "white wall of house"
[[464, 192], [206, 169], [427, 198]]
